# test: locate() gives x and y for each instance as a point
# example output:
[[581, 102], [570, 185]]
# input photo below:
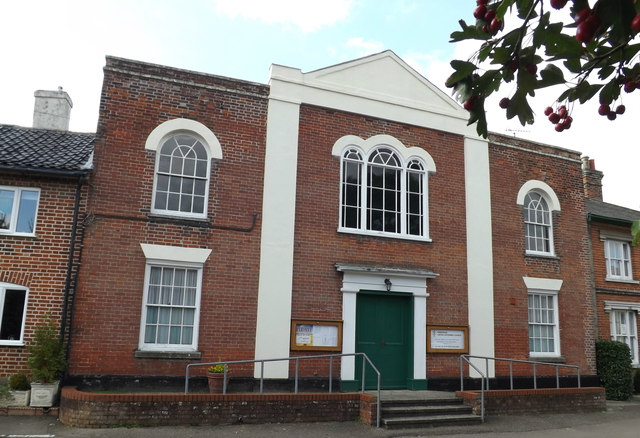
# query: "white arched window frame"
[[383, 187], [184, 150], [538, 201]]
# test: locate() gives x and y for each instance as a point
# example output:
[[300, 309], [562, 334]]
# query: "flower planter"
[[43, 395], [216, 382], [20, 398]]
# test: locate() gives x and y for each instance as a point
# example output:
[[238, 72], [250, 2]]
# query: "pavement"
[[620, 420]]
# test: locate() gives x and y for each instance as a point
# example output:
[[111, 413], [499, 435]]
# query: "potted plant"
[[20, 389], [216, 375], [47, 362]]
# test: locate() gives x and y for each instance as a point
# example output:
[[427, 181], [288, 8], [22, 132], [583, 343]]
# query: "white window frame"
[[611, 307], [546, 192], [624, 262], [548, 288], [15, 210], [631, 336], [198, 131], [172, 257], [408, 158], [3, 289]]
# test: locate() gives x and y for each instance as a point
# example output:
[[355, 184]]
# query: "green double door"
[[384, 332]]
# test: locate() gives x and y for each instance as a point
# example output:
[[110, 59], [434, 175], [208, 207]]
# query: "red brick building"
[[43, 194], [349, 209]]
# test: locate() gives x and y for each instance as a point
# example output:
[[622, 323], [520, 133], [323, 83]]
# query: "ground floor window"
[[624, 329], [543, 324], [13, 308]]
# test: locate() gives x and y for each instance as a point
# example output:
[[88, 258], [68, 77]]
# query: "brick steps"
[[404, 414]]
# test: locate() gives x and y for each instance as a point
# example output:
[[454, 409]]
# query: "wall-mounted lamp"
[[387, 283]]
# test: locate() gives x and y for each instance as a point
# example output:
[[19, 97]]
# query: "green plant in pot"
[[216, 376], [19, 389], [46, 361]]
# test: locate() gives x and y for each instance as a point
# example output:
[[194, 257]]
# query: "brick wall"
[[512, 163], [136, 98], [536, 401], [84, 409], [39, 263]]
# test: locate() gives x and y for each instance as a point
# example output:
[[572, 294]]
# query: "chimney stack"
[[591, 179], [52, 110]]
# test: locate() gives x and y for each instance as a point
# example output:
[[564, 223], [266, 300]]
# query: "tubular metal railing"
[[484, 376], [297, 359]]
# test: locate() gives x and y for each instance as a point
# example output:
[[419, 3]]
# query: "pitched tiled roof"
[[606, 211], [29, 149]]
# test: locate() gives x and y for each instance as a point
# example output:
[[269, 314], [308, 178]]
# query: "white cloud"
[[363, 47], [307, 15]]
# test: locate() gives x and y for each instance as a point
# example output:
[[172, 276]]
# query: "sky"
[[63, 43]]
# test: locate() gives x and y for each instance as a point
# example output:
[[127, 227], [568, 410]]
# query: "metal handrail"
[[297, 359], [485, 377]]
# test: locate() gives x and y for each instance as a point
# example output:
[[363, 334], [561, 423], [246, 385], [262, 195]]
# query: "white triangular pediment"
[[385, 76]]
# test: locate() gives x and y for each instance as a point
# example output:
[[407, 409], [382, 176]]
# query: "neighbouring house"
[[43, 193], [330, 211], [614, 261]]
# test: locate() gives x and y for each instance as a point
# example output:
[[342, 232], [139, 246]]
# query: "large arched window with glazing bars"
[[383, 189]]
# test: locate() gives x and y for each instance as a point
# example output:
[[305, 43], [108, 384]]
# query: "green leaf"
[[526, 82], [551, 75], [518, 106], [574, 65], [501, 10], [585, 91], [560, 45], [605, 72], [500, 55], [468, 33], [462, 69], [610, 92], [524, 6], [635, 231]]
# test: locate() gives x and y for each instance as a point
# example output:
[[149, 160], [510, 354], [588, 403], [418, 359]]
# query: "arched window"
[[182, 175], [383, 187], [184, 149], [538, 201]]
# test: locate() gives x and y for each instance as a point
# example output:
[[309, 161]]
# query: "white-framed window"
[[624, 328], [537, 222], [538, 201], [18, 210], [184, 150], [13, 310], [171, 298], [383, 187], [544, 324], [617, 256]]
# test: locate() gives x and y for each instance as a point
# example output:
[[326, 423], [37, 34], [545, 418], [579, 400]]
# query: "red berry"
[[548, 110], [482, 2], [558, 4], [490, 15], [532, 68], [554, 118], [480, 11], [635, 24], [612, 115], [485, 28], [620, 109], [567, 122], [587, 29], [560, 127], [513, 65], [495, 25], [582, 15], [504, 103], [470, 103], [562, 112], [604, 110], [629, 87]]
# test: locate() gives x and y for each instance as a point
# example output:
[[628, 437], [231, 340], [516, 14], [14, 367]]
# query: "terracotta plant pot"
[[216, 382]]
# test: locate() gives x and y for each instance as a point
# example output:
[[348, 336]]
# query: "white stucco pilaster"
[[276, 248], [479, 250]]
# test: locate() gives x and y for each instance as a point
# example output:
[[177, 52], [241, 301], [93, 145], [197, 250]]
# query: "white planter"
[[43, 395], [20, 398]]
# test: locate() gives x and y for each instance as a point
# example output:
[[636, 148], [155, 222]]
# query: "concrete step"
[[432, 420], [423, 410]]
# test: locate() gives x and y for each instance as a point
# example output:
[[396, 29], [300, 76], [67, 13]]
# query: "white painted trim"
[[276, 246], [175, 253], [3, 288], [542, 284], [170, 127], [479, 252], [620, 305], [542, 188]]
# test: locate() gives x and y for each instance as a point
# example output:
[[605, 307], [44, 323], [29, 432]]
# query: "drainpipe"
[[67, 283]]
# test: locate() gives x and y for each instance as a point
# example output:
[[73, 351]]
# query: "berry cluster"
[[486, 16], [588, 24], [560, 118], [605, 110]]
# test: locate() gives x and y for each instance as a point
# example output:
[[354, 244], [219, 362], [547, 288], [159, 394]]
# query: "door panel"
[[384, 326]]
